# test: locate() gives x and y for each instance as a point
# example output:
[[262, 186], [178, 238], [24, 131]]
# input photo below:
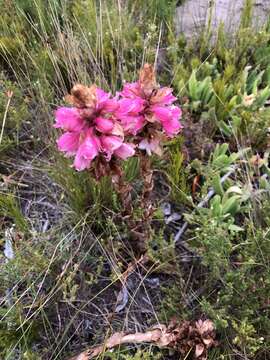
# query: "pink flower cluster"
[[97, 125], [92, 130]]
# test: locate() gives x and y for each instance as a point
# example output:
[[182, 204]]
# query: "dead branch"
[[184, 337]]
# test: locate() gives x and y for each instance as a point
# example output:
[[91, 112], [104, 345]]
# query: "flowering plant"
[[100, 130], [91, 129]]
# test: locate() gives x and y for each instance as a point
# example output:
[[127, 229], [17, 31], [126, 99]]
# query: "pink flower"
[[164, 96], [138, 109], [129, 114], [90, 128], [104, 125], [87, 151], [104, 103], [169, 118], [69, 143], [125, 151], [109, 144], [68, 119], [145, 109], [132, 90], [132, 124]]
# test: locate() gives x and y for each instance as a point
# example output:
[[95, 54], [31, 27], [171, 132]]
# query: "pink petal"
[[132, 125], [130, 106], [69, 143], [125, 151], [173, 126], [118, 130], [131, 90], [81, 163], [128, 114], [168, 99], [87, 151], [104, 125], [146, 145], [169, 118], [176, 111], [102, 96], [161, 113], [164, 97], [109, 144], [110, 106], [104, 103], [68, 119]]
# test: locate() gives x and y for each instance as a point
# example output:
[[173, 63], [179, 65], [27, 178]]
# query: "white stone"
[[192, 17]]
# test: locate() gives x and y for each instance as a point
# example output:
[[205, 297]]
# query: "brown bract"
[[82, 96], [147, 79], [159, 95], [104, 168]]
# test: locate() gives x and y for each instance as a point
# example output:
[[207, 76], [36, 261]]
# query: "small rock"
[[166, 208], [193, 16], [172, 218]]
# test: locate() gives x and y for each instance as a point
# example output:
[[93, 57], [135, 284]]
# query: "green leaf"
[[222, 161], [196, 105], [236, 123], [231, 205], [192, 86], [223, 148], [207, 90], [264, 184], [216, 206], [234, 189], [257, 82], [262, 97], [217, 185], [225, 128], [233, 102], [233, 227]]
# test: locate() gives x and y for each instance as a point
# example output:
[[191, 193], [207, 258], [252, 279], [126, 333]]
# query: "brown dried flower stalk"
[[186, 337]]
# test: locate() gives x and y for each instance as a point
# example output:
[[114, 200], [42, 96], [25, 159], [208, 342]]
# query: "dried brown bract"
[[147, 79], [82, 96], [196, 336]]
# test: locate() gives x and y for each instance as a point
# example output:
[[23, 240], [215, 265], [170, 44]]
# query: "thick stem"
[[147, 176], [140, 230], [124, 191]]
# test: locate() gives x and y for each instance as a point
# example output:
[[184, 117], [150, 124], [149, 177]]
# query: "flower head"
[[91, 130], [145, 110], [248, 100]]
